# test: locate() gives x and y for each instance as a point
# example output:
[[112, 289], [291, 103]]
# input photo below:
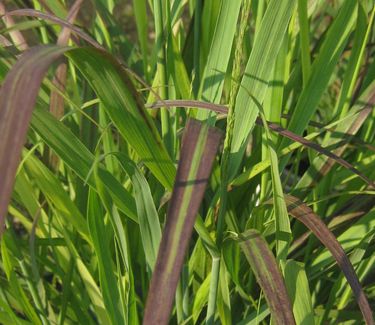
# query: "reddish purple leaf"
[[303, 213], [17, 99], [199, 147], [268, 275]]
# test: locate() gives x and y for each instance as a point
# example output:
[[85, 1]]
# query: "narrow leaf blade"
[[199, 146], [24, 78], [268, 275], [304, 214]]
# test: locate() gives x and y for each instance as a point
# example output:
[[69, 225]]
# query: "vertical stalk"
[[261, 8], [304, 39], [196, 51], [236, 74], [161, 67]]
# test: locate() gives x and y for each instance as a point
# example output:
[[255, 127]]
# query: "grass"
[[187, 162]]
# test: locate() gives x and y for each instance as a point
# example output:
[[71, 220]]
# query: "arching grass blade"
[[268, 275]]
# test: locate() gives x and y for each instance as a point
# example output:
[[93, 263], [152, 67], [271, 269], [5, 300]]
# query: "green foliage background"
[[88, 171]]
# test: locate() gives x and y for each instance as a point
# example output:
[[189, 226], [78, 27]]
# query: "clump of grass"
[[250, 121]]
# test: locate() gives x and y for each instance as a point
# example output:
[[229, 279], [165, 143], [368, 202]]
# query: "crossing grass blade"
[[268, 276], [359, 115], [198, 151]]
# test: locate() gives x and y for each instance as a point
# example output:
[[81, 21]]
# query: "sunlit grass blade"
[[257, 75], [217, 62], [268, 276], [198, 151], [299, 292]]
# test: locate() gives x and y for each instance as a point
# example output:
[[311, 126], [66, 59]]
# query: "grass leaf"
[[24, 78], [258, 72], [124, 106], [304, 214], [198, 151], [268, 275]]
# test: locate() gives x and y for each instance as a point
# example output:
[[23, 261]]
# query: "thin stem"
[[197, 38], [162, 72]]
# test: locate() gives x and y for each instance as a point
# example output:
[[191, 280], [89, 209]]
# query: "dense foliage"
[[238, 136]]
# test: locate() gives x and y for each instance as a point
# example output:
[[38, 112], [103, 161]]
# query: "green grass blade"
[[141, 20], [218, 59], [100, 239], [304, 39], [283, 232], [148, 217], [322, 69], [361, 36], [124, 106], [258, 72], [299, 292]]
